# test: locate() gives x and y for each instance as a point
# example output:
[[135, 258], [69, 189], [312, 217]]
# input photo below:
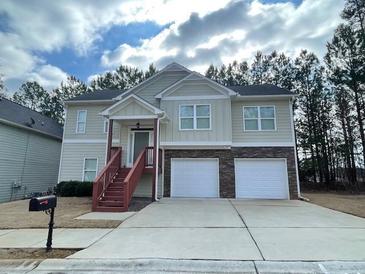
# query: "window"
[[90, 167], [194, 117], [106, 126], [259, 118], [81, 121]]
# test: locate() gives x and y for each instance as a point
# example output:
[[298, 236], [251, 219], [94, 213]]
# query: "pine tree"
[[31, 95]]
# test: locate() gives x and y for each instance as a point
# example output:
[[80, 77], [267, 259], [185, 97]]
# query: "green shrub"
[[74, 189]]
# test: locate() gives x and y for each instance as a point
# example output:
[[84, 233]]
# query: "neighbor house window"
[[81, 121], [106, 126], [194, 117], [259, 118], [90, 168]]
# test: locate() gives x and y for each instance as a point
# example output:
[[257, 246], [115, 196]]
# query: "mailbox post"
[[46, 204]]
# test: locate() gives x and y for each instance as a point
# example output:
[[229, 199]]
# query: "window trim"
[[194, 117], [258, 118], [77, 121], [106, 126], [83, 167]]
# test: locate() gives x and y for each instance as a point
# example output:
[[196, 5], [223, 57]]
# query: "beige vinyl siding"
[[194, 88], [29, 159], [220, 122], [283, 132], [130, 108], [73, 156], [144, 186], [94, 123], [149, 90]]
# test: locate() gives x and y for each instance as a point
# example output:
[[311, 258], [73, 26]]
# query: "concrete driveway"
[[227, 229]]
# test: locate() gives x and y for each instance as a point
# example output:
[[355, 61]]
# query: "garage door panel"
[[261, 179], [194, 178]]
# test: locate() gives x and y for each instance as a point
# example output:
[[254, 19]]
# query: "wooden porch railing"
[[130, 182], [149, 158], [106, 175]]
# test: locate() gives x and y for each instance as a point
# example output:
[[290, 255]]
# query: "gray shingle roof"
[[104, 94], [23, 116], [264, 89]]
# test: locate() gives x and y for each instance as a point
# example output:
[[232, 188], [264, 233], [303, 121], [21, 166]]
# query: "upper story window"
[[81, 121], [90, 169], [106, 126], [259, 118], [194, 117]]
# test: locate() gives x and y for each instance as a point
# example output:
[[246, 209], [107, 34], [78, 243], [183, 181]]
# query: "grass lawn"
[[16, 215], [352, 204]]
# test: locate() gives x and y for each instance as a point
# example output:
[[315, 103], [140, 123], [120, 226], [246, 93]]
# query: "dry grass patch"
[[352, 204], [34, 253], [16, 215]]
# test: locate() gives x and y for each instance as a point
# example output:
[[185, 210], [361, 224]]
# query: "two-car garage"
[[255, 178]]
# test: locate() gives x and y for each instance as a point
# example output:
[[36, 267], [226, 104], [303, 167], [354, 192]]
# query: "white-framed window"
[[90, 169], [195, 117], [259, 118], [106, 126], [81, 121]]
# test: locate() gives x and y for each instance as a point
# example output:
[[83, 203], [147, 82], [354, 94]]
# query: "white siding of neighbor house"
[[94, 123], [150, 89], [220, 122], [29, 159], [73, 156], [283, 133]]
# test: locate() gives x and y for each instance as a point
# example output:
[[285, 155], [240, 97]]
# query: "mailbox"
[[46, 204], [43, 203]]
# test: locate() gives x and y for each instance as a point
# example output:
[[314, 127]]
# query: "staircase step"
[[114, 193], [115, 188], [111, 203], [110, 209], [113, 198]]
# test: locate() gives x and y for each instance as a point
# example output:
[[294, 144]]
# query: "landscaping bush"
[[74, 189]]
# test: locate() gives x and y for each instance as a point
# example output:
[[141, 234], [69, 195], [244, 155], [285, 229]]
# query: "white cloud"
[[48, 76], [236, 31], [199, 32]]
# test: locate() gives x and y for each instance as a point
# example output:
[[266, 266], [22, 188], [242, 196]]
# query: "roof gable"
[[131, 105], [199, 79]]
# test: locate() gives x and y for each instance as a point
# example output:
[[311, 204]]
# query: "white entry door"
[[261, 178], [196, 178]]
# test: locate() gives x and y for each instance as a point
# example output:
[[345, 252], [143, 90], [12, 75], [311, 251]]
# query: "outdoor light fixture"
[[137, 125]]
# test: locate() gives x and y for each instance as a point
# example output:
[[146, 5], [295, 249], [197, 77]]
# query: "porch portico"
[[136, 152]]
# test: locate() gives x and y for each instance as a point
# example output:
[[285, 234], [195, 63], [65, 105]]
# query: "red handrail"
[[105, 176], [130, 182]]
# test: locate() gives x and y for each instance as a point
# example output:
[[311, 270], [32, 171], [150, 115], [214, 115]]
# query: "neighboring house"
[[30, 147], [202, 139]]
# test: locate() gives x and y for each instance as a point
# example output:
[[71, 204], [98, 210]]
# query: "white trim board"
[[194, 97], [87, 141], [136, 117], [263, 144]]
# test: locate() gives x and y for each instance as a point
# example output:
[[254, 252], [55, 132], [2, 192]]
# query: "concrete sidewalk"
[[176, 266], [77, 238]]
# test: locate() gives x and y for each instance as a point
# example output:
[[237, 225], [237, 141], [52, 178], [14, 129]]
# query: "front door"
[[141, 140]]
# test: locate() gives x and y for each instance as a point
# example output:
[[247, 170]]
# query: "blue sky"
[[88, 37]]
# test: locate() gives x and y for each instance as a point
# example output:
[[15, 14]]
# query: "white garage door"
[[261, 179], [194, 177]]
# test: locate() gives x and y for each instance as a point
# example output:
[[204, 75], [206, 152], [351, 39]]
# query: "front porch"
[[132, 152]]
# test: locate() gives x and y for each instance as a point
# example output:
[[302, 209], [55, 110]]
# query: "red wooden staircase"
[[113, 188]]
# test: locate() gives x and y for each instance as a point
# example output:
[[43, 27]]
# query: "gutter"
[[157, 155]]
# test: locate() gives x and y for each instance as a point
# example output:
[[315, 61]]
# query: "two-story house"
[[180, 134]]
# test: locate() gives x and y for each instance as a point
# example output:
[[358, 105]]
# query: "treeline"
[[33, 95], [330, 108]]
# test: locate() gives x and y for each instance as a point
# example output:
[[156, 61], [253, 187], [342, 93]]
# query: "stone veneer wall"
[[226, 165]]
